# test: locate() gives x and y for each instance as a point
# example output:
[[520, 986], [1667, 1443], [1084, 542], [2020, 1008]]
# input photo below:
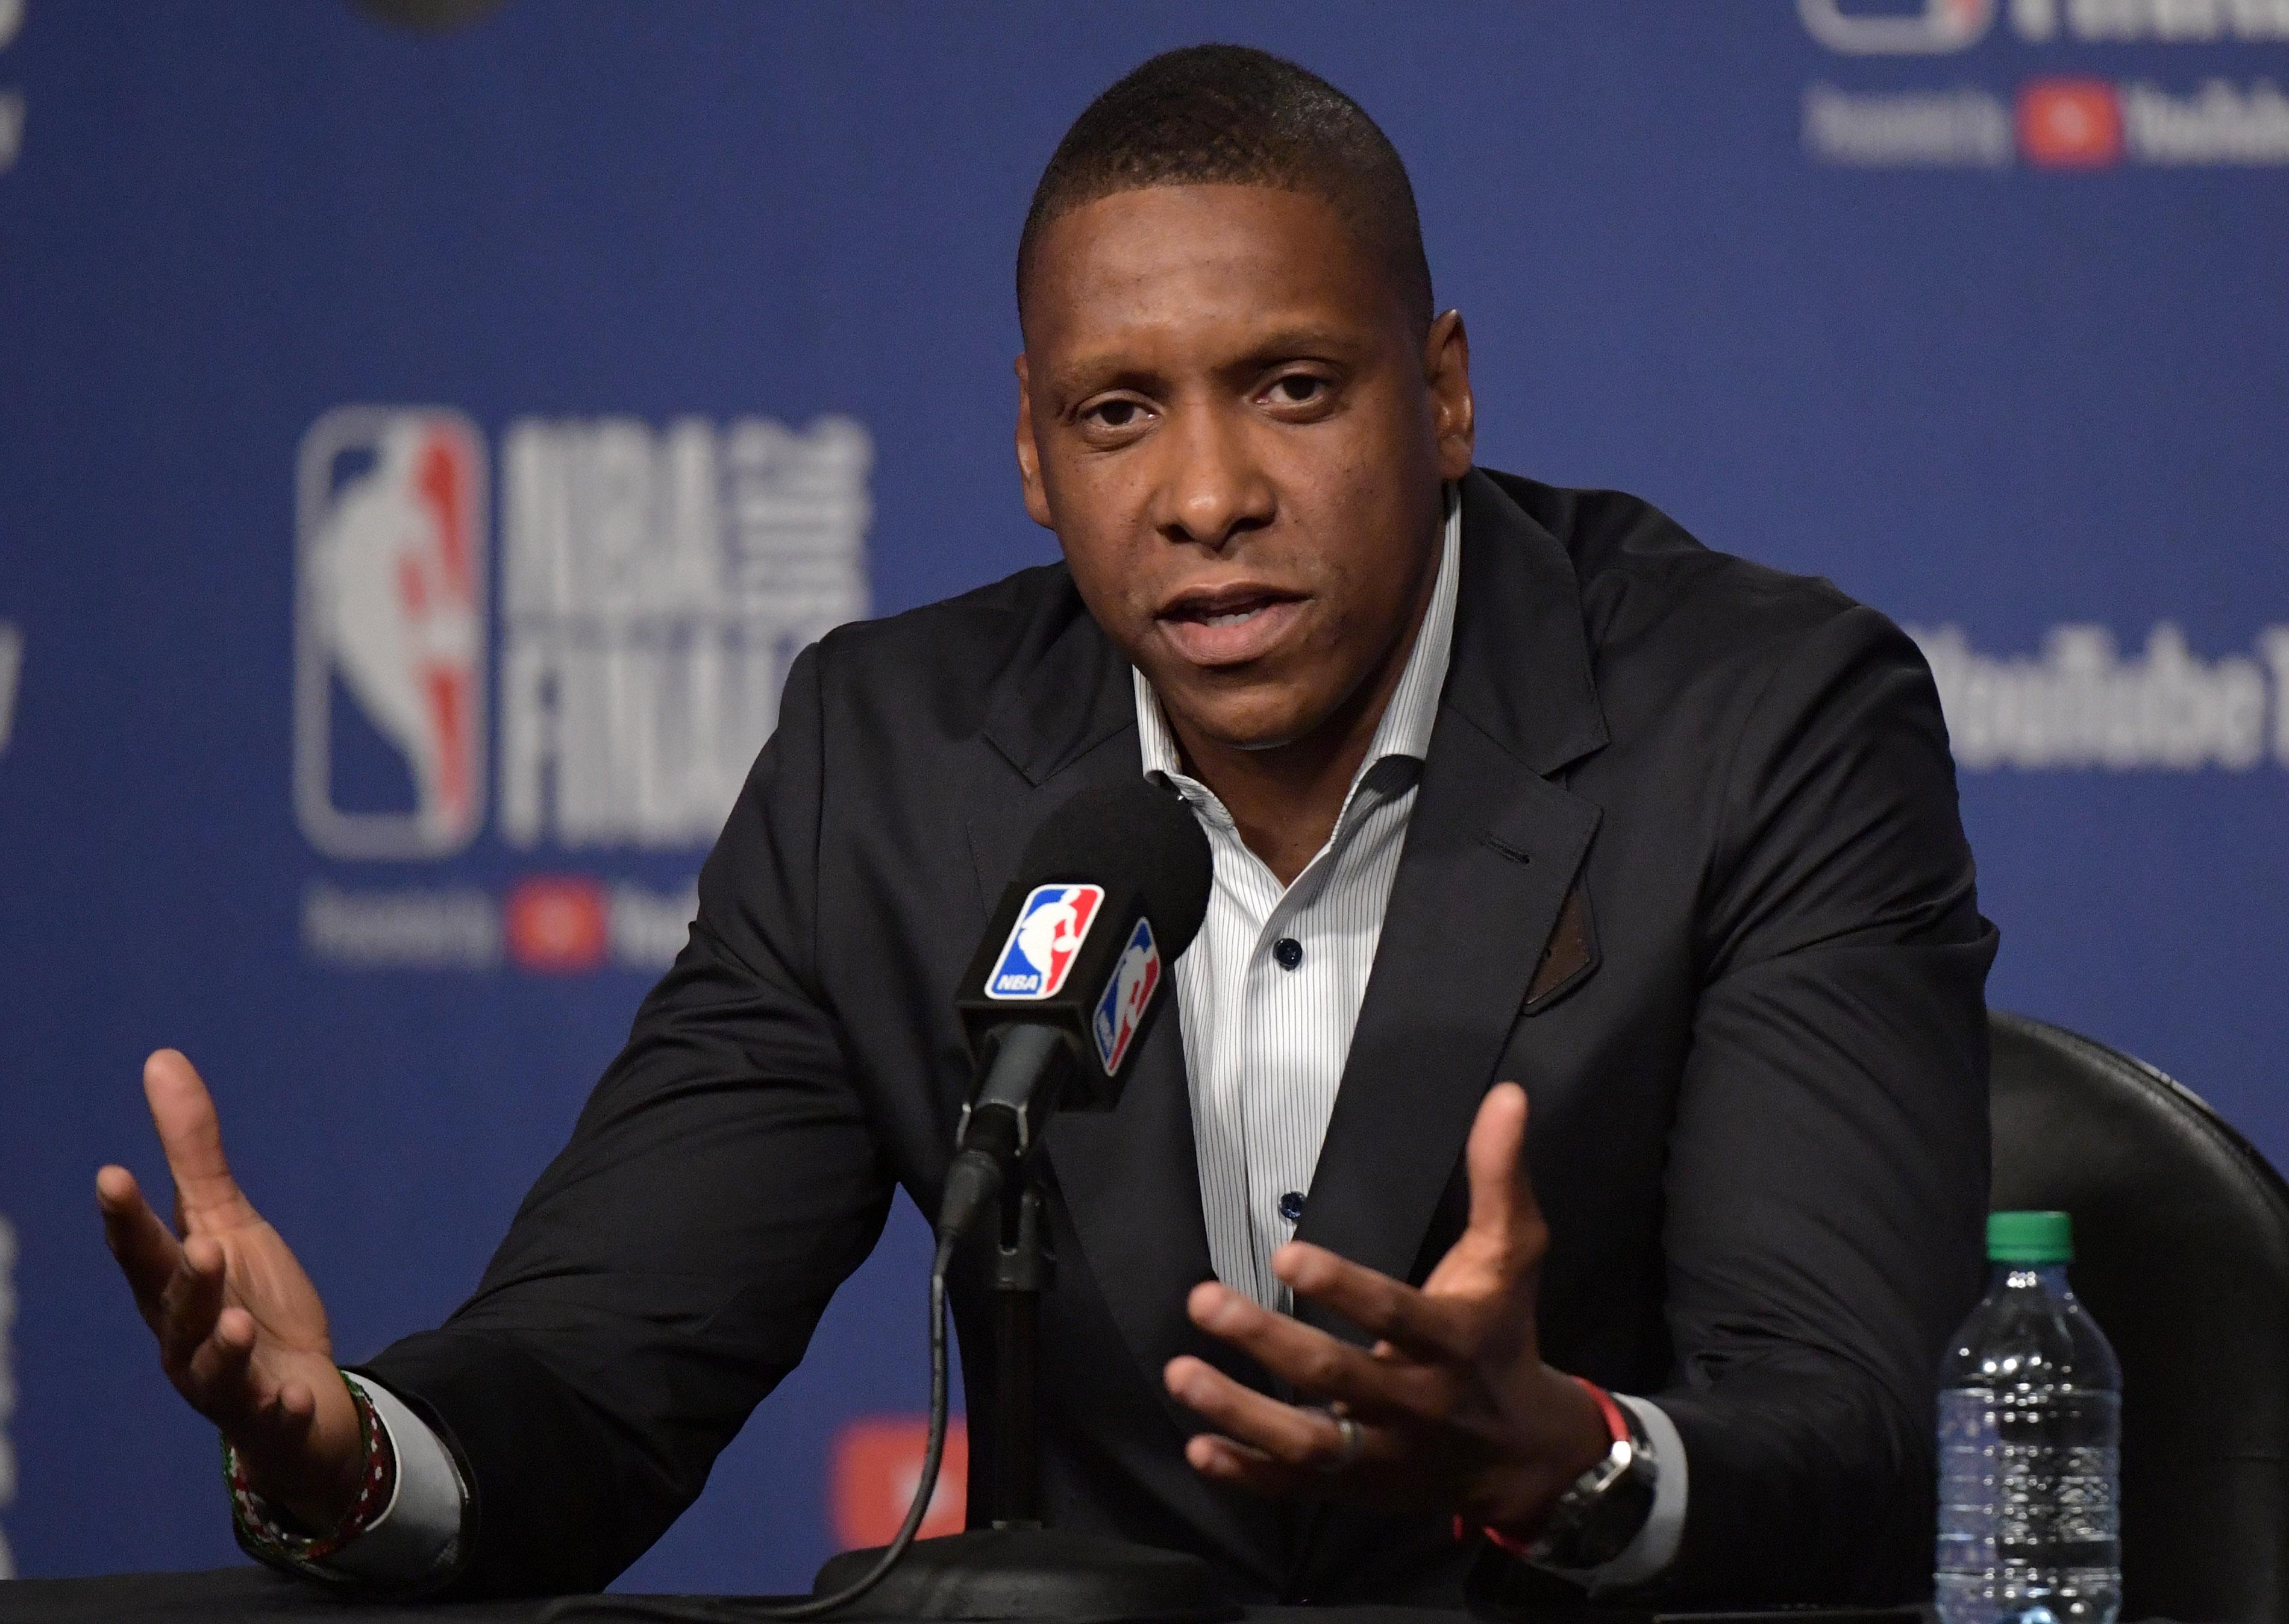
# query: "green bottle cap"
[[2029, 1237]]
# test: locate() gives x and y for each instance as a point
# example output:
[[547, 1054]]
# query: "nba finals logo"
[[1120, 1008], [390, 633], [1038, 954]]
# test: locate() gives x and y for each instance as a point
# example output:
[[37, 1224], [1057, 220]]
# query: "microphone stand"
[[1022, 1270], [1015, 1568]]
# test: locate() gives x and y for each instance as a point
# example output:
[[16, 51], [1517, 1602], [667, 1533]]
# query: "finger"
[[221, 1370], [269, 1427], [1431, 1329], [191, 1304], [191, 1135], [1321, 1366], [147, 1252], [1226, 1460], [1283, 1433], [1503, 1212], [274, 1431]]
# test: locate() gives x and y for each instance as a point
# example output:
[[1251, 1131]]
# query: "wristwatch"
[[1602, 1511]]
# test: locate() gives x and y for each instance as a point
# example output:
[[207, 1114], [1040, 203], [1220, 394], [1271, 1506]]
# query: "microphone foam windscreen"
[[1132, 833]]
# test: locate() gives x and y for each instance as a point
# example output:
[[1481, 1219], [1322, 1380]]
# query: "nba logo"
[[390, 681], [1128, 995], [1038, 956]]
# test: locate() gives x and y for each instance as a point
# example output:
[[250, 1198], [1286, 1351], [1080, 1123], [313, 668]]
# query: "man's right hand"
[[242, 1333]]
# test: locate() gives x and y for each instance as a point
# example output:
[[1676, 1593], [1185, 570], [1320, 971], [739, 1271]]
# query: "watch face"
[[1597, 1517], [1609, 1524]]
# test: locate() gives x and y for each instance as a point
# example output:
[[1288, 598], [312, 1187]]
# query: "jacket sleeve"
[[670, 1265], [1828, 1174]]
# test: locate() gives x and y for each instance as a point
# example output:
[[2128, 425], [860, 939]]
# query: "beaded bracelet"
[[269, 1534]]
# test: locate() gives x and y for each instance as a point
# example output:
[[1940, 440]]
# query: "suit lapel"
[[1490, 851], [1493, 847]]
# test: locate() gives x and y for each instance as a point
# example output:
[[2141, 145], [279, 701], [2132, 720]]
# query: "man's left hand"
[[1451, 1410]]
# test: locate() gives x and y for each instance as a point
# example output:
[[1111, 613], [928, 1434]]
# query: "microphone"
[[1069, 973]]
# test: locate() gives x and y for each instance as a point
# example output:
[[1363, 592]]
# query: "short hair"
[[1233, 116]]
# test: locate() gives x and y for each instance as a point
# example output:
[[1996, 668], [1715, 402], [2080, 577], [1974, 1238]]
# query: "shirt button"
[[1291, 1206], [1288, 952]]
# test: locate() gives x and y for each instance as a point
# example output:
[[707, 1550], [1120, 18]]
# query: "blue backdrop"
[[420, 452]]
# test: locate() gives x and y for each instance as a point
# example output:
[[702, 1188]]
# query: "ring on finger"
[[1350, 1437]]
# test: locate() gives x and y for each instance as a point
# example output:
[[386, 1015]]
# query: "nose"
[[1212, 487]]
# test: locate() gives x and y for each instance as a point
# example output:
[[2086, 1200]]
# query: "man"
[[1501, 781]]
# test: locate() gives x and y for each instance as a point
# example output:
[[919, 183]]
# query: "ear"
[[1029, 455], [1453, 415]]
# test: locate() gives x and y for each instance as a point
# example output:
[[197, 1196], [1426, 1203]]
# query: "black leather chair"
[[2181, 1253]]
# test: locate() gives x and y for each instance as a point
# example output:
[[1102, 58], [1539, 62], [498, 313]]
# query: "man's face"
[[1239, 435]]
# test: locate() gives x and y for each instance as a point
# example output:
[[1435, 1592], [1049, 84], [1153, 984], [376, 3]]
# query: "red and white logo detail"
[[391, 611], [2070, 123], [1889, 27]]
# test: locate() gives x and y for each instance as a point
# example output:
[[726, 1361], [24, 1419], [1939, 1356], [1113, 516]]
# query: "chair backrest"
[[2181, 1253]]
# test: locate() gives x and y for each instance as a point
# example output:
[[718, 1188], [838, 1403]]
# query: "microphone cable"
[[727, 1609]]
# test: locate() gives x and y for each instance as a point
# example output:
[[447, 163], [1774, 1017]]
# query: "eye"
[[1116, 419], [1299, 390]]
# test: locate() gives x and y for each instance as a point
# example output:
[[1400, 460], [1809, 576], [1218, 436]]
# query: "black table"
[[226, 1594], [229, 1594], [212, 1596]]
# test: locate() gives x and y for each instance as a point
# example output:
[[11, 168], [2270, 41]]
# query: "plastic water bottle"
[[2030, 1444]]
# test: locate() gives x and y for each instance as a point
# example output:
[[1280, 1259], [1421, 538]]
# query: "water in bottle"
[[2029, 1432]]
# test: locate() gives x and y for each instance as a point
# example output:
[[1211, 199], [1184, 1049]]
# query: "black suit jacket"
[[1711, 803]]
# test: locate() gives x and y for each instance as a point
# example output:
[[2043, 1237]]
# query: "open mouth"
[[1228, 625]]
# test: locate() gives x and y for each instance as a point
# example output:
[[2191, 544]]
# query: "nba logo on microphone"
[[1039, 956], [1128, 995], [389, 683]]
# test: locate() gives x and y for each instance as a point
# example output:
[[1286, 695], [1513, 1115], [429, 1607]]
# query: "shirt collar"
[[1405, 729]]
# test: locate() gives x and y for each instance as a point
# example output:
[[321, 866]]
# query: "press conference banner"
[[428, 429]]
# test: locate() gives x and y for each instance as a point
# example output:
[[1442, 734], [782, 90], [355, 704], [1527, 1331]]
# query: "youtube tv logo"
[[557, 923], [874, 1468], [2069, 123]]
